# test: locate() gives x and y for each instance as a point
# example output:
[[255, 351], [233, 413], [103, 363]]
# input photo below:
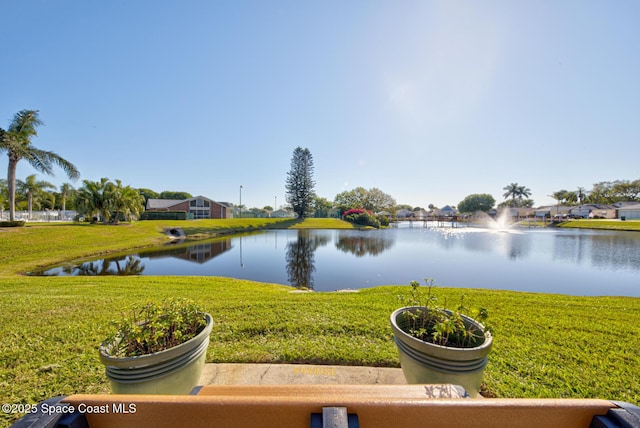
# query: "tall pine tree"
[[300, 183]]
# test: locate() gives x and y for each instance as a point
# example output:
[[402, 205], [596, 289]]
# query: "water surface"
[[566, 261]]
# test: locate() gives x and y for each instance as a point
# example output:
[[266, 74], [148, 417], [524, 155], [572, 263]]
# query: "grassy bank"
[[545, 345], [629, 225]]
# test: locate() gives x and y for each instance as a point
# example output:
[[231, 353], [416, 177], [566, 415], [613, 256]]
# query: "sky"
[[428, 101]]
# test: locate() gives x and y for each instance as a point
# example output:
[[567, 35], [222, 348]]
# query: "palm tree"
[[125, 200], [34, 189], [109, 200], [512, 190], [66, 190], [93, 198], [517, 194], [16, 141], [523, 192]]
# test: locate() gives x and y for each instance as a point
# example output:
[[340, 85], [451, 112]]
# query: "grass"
[[628, 225], [323, 223], [545, 345], [531, 223]]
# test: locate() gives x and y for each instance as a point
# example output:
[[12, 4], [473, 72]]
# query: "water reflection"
[[124, 265], [361, 245], [604, 251], [132, 264], [300, 255], [198, 253], [509, 243]]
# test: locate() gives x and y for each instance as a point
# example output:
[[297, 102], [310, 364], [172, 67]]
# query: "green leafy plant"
[[153, 328], [433, 323]]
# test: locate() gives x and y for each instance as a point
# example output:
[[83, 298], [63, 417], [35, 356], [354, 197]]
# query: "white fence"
[[41, 216]]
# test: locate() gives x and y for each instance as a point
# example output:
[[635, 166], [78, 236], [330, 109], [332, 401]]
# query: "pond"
[[565, 261]]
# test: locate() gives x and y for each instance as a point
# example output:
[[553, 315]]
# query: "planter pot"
[[172, 371], [428, 363]]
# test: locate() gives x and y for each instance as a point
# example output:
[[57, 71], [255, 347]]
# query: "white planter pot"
[[427, 363], [172, 371]]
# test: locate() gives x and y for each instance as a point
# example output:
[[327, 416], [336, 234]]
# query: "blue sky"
[[429, 101]]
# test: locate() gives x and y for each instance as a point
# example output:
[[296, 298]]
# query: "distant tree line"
[[150, 194], [110, 201], [604, 192], [517, 196]]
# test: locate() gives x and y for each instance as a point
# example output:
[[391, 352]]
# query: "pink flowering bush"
[[354, 211], [361, 216]]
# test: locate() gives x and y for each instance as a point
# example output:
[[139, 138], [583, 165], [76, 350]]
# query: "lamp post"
[[240, 207]]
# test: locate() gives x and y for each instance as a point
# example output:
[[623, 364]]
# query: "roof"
[[521, 210], [598, 206], [404, 213], [226, 204], [554, 209], [159, 204], [630, 207]]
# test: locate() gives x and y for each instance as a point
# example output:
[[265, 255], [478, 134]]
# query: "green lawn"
[[323, 223], [630, 225], [545, 345]]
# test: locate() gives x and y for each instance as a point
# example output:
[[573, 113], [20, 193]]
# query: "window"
[[200, 213], [199, 203]]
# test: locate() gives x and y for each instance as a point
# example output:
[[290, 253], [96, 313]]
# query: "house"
[[593, 211], [447, 211], [420, 215], [282, 214], [405, 214], [518, 213], [629, 212], [196, 207], [552, 211]]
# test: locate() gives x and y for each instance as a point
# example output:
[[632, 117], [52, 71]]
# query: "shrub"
[[14, 223], [361, 216], [164, 215], [353, 211]]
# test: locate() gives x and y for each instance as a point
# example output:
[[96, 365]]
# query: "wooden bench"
[[366, 406]]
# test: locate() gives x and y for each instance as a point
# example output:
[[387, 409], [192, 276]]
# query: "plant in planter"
[[160, 349], [440, 345]]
